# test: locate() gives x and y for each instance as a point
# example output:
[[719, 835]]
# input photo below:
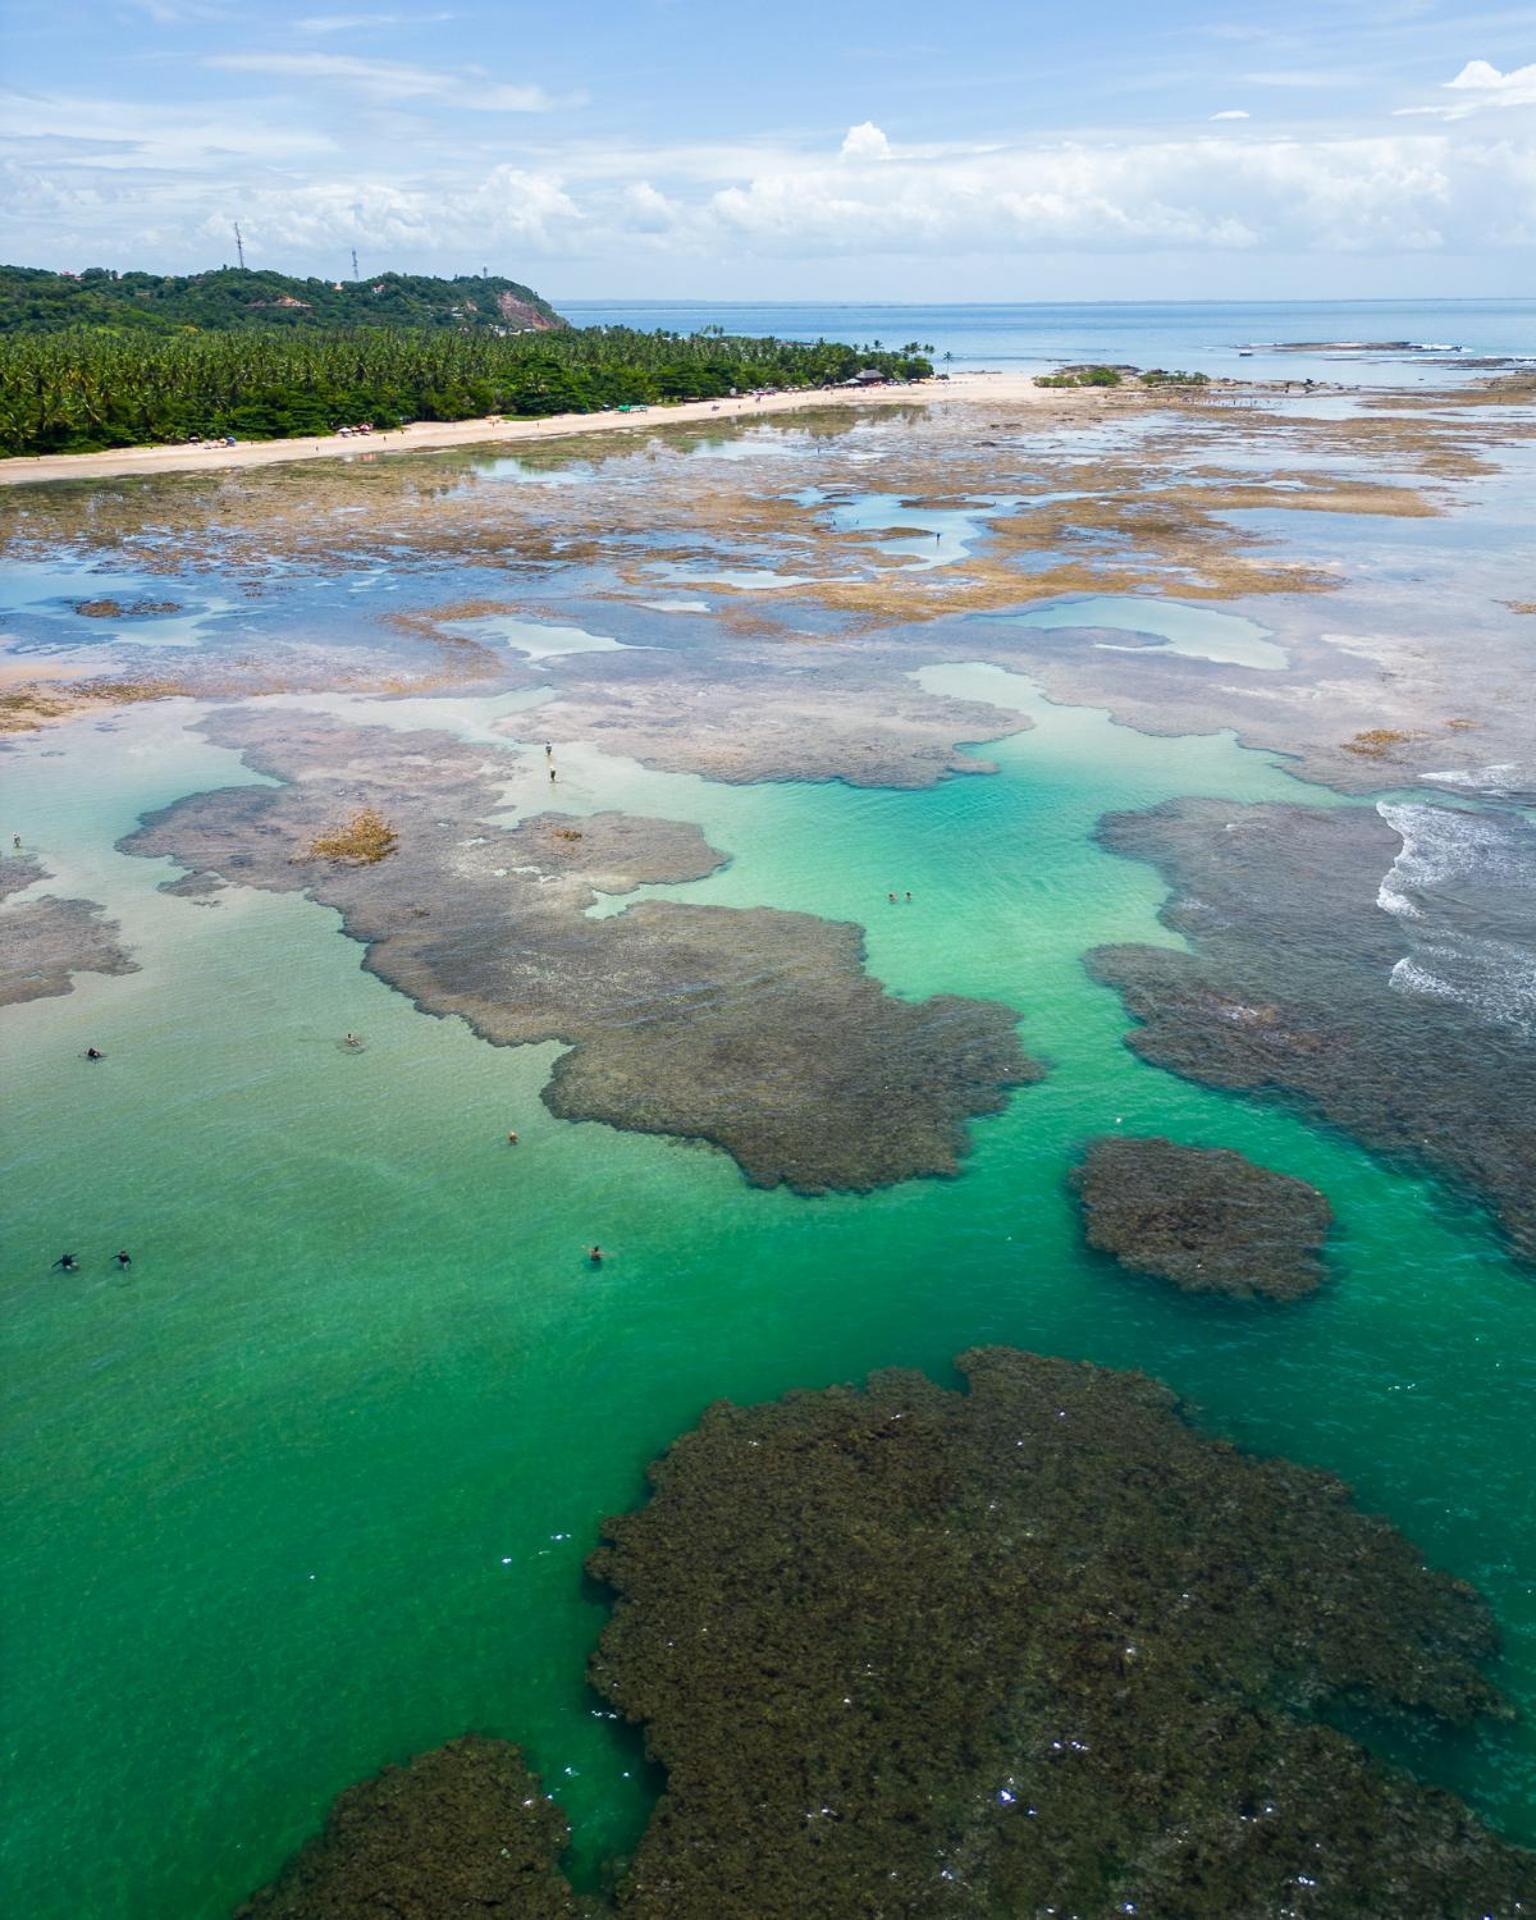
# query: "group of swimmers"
[[893, 900], [67, 1263]]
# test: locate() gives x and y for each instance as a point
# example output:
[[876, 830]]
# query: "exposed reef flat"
[[462, 1830], [751, 1028], [1155, 495], [1208, 1220], [44, 942], [752, 716], [1039, 1647], [1368, 963]]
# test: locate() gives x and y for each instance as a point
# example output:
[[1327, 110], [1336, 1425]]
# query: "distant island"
[[136, 359], [238, 299]]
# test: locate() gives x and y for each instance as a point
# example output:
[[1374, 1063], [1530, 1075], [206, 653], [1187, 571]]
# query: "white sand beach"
[[428, 434]]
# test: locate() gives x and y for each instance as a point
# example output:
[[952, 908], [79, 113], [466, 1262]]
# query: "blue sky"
[[808, 149]]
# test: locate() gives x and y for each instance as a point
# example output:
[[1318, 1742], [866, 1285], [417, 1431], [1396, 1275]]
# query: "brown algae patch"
[[1208, 1220], [751, 1028], [365, 839]]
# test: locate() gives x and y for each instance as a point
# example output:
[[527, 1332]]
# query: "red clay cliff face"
[[518, 313]]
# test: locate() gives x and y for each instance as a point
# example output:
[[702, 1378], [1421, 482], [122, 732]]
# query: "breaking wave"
[[1464, 884]]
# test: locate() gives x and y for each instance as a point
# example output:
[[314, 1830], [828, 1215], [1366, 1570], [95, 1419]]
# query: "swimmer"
[[67, 1263], [551, 773], [549, 752], [94, 1053], [124, 1259], [16, 841], [511, 1138], [892, 898], [909, 894], [595, 1255], [352, 1040]]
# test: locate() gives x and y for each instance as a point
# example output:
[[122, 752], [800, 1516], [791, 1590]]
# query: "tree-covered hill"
[[33, 300]]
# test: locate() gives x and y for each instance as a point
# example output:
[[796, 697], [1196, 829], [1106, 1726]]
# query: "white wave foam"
[[1504, 778], [1466, 882]]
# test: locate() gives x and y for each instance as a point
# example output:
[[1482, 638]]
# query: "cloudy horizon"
[[662, 151]]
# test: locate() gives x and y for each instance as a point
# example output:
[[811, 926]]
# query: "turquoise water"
[[311, 1490]]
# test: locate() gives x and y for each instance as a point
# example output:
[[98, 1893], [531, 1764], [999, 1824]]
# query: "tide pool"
[[1204, 633], [311, 1488]]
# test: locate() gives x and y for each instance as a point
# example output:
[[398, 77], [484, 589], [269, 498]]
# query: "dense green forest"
[[92, 387], [32, 300]]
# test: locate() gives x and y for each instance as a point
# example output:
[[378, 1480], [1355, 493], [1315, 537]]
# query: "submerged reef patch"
[[1036, 1647], [1208, 1220], [1307, 978], [463, 1829], [44, 942], [755, 1029]]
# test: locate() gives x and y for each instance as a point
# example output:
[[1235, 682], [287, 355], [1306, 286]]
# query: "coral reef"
[[1039, 1647], [1396, 1025], [1209, 1221], [461, 1830], [755, 1029], [44, 942]]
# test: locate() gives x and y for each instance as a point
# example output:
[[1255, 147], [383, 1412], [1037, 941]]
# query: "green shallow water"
[[313, 1489]]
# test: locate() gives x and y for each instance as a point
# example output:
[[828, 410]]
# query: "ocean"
[[1200, 336], [311, 1488]]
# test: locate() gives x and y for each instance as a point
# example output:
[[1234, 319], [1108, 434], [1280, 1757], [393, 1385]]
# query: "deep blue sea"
[[1210, 337]]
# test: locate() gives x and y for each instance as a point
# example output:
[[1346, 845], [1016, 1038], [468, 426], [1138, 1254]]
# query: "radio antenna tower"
[[239, 244], [354, 263]]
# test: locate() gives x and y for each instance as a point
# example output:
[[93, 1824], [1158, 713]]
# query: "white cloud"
[[1481, 86], [865, 142], [70, 133], [1231, 113], [131, 183], [1401, 194], [509, 207], [393, 80]]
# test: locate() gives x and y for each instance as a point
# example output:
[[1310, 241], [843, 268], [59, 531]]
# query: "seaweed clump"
[[461, 1830], [1208, 1220], [366, 839], [1039, 1647], [1375, 743]]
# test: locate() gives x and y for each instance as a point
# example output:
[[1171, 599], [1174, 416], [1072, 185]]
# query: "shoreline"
[[436, 435]]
